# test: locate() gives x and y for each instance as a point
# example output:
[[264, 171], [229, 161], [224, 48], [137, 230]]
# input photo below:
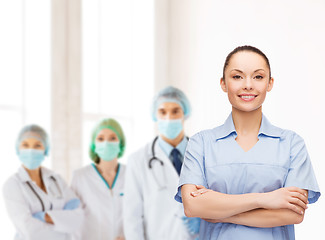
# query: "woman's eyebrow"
[[237, 70], [259, 70]]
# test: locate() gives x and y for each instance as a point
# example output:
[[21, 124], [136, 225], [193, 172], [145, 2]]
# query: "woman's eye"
[[236, 77], [113, 138], [100, 139], [259, 77], [37, 146]]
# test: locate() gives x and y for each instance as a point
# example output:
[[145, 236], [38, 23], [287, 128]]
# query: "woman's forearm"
[[265, 218], [214, 205], [217, 205]]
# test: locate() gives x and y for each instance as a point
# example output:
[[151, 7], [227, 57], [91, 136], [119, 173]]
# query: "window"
[[118, 68], [24, 80]]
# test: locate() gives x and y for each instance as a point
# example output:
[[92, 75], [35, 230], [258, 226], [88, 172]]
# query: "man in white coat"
[[150, 211]]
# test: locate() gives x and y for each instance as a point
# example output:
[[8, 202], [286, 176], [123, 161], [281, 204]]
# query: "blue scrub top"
[[279, 159]]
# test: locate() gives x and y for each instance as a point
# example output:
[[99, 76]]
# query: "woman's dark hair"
[[241, 49]]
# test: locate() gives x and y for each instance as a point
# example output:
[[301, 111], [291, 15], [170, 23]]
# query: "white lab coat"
[[150, 211], [22, 202], [103, 206]]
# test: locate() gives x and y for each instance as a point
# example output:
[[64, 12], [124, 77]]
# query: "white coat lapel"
[[171, 173]]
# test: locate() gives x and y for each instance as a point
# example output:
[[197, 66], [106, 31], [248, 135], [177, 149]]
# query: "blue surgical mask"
[[107, 150], [170, 128], [31, 158]]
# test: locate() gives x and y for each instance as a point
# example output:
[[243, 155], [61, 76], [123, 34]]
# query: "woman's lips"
[[247, 97]]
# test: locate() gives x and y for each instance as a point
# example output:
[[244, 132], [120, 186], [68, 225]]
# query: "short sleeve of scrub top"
[[301, 173], [193, 166]]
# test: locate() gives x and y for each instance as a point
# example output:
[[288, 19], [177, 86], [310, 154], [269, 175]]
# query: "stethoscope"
[[154, 158], [59, 195], [154, 154]]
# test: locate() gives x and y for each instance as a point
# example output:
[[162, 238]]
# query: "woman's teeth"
[[247, 97]]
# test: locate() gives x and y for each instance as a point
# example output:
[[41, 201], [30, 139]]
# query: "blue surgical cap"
[[33, 131], [171, 94]]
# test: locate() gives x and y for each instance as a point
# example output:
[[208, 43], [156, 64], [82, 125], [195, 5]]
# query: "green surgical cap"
[[171, 94], [108, 123], [33, 131]]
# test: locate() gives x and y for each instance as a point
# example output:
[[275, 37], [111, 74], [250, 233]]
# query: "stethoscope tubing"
[[154, 154], [154, 158], [39, 197]]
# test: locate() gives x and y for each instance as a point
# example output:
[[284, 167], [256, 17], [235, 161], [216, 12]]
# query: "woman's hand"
[[200, 190], [292, 198], [48, 219]]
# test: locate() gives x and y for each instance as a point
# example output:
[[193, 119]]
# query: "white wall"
[[292, 35]]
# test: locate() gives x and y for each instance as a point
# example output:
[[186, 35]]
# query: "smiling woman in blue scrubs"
[[247, 179], [100, 185]]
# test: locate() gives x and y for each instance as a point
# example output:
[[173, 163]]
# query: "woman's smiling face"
[[247, 80]]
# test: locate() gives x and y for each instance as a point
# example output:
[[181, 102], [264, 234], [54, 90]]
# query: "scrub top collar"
[[106, 183], [167, 148], [266, 129], [24, 177]]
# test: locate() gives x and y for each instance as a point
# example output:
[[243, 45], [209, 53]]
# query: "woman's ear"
[[223, 85], [270, 84]]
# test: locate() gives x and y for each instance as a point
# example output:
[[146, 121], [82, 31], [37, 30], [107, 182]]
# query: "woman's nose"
[[248, 84]]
